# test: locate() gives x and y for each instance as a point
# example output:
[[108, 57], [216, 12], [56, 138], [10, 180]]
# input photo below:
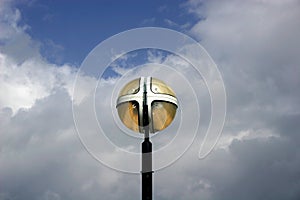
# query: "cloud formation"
[[254, 43]]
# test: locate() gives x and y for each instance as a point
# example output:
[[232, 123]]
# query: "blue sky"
[[68, 30], [255, 45]]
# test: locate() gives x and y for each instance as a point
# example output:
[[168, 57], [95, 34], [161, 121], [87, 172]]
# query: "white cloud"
[[255, 44], [23, 84], [25, 76], [14, 41], [170, 23]]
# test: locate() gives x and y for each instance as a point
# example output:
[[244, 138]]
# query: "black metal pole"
[[147, 170], [146, 154]]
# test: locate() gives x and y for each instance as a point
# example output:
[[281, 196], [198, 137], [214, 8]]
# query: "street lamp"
[[146, 105]]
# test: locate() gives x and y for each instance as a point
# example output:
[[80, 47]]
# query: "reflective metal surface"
[[131, 88], [159, 87], [129, 115], [163, 114], [160, 101]]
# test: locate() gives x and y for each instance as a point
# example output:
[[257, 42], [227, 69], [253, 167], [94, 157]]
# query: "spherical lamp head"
[[146, 102]]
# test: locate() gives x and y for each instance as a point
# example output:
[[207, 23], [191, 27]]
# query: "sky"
[[47, 91], [56, 24]]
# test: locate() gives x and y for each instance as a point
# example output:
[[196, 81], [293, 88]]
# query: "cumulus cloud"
[[41, 155], [25, 75], [254, 43], [29, 81]]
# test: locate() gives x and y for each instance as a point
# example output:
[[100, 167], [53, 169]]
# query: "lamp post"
[[146, 105]]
